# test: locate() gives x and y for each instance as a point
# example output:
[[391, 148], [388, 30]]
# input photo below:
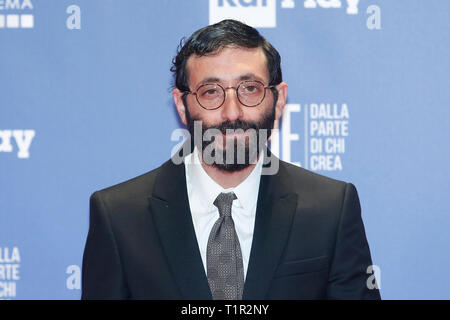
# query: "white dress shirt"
[[203, 190]]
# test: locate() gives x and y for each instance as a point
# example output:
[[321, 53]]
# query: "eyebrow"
[[250, 76], [247, 76]]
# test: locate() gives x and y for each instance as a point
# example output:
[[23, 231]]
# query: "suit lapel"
[[274, 215], [171, 213], [169, 204]]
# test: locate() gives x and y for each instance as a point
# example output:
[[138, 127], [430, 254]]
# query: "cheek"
[[257, 112], [208, 118], [193, 111], [261, 111]]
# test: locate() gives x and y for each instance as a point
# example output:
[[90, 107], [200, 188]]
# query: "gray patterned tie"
[[225, 270]]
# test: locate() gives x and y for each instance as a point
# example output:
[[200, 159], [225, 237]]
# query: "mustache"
[[233, 125]]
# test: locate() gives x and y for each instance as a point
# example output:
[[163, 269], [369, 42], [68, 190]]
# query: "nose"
[[231, 109]]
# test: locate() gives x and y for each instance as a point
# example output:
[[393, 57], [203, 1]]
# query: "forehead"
[[228, 65]]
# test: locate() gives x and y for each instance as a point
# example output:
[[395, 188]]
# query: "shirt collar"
[[206, 190]]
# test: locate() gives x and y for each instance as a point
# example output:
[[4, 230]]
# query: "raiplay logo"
[[256, 13]]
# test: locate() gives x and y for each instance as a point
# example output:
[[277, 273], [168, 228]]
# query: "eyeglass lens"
[[249, 93]]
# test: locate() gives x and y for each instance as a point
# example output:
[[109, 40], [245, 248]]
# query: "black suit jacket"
[[308, 243]]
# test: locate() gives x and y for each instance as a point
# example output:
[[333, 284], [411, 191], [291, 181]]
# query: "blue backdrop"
[[85, 103]]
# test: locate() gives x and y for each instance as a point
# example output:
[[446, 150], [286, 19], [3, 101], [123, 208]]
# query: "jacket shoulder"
[[299, 175], [132, 189], [315, 189]]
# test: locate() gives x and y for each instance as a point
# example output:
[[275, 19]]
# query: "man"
[[219, 224]]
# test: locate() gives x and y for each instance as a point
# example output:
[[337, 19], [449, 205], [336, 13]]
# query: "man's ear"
[[282, 89], [181, 108]]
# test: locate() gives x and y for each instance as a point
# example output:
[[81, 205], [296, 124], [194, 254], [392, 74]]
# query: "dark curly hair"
[[210, 39]]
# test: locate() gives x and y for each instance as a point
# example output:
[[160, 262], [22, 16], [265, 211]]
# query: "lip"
[[232, 138]]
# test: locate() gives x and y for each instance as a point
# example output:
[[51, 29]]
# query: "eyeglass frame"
[[225, 93]]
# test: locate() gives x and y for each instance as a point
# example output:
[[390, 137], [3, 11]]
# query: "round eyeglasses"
[[211, 96]]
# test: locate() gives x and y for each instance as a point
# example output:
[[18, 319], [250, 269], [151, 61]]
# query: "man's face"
[[229, 67]]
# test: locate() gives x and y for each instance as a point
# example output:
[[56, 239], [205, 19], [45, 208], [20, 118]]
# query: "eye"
[[250, 88], [210, 92]]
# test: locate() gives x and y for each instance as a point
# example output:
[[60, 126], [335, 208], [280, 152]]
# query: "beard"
[[232, 153]]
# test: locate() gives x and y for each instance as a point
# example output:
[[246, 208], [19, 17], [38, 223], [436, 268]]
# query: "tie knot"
[[223, 202]]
